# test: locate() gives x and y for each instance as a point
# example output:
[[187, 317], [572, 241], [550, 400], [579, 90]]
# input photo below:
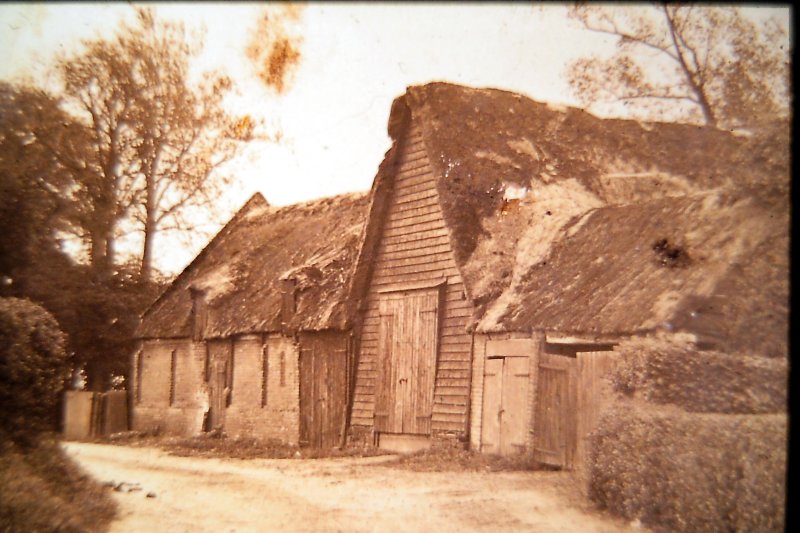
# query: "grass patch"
[[218, 445], [41, 489], [459, 460]]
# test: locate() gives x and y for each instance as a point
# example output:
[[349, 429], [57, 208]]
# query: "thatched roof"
[[512, 174], [702, 264], [242, 268]]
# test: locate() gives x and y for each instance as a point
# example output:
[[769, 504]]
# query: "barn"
[[509, 245], [253, 337]]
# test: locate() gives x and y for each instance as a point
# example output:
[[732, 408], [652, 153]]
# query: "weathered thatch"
[[242, 268], [687, 264], [532, 195]]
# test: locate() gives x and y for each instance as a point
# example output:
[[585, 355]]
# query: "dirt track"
[[221, 495]]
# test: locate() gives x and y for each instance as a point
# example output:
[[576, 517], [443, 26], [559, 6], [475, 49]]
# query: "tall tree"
[[34, 187], [158, 136], [707, 64]]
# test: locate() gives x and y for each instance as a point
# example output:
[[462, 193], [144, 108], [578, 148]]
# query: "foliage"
[[33, 369], [702, 63], [671, 372], [677, 471], [33, 186], [41, 489], [156, 137]]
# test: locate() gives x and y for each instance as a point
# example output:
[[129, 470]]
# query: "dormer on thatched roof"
[[241, 273]]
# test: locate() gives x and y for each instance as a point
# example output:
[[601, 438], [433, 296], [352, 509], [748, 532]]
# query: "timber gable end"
[[414, 246]]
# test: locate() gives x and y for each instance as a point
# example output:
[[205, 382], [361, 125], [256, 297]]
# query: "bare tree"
[[707, 64], [156, 136]]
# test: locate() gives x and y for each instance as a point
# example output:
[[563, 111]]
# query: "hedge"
[[667, 371], [33, 369], [681, 471]]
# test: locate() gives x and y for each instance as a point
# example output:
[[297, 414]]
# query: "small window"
[[172, 376], [229, 375], [264, 373], [198, 314], [283, 368], [139, 368]]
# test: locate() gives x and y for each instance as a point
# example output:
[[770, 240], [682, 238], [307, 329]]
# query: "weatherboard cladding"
[[242, 268], [414, 247]]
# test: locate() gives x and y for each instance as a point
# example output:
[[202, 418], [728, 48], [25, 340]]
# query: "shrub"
[[672, 372], [690, 472], [33, 369]]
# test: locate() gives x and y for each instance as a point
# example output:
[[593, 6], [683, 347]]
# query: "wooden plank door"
[[492, 405], [406, 370], [555, 417], [323, 389], [219, 383], [505, 398]]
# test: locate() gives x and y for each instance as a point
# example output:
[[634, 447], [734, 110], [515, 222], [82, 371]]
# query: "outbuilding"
[[253, 337], [510, 245]]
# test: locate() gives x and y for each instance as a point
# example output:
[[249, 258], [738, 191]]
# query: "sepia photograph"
[[394, 266]]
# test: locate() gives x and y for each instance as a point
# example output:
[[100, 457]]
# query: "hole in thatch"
[[670, 255]]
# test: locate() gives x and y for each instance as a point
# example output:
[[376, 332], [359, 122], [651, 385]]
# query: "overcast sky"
[[356, 59]]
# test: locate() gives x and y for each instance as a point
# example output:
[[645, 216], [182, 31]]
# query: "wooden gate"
[[407, 348], [323, 388], [555, 419], [505, 397], [220, 381]]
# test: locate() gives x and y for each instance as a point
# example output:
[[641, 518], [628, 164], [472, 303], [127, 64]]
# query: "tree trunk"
[[99, 252], [146, 270], [96, 376]]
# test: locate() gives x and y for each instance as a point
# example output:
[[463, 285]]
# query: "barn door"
[[555, 417], [406, 361], [220, 376], [323, 389], [504, 420]]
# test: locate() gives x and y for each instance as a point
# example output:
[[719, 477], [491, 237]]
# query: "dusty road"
[[349, 494]]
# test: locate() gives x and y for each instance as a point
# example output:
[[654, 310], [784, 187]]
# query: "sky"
[[356, 58]]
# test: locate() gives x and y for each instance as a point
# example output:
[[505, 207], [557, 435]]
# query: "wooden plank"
[[424, 229], [434, 247], [413, 169], [407, 197], [384, 387], [514, 419], [441, 257], [431, 216], [414, 176], [408, 216], [410, 237], [511, 347], [423, 202], [386, 280]]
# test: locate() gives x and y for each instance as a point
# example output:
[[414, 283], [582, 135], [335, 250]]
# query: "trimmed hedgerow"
[[681, 471], [671, 372]]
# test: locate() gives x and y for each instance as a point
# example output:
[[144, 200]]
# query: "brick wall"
[[152, 407], [176, 405], [280, 417]]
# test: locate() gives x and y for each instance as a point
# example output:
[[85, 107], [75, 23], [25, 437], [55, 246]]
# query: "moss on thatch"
[[241, 270]]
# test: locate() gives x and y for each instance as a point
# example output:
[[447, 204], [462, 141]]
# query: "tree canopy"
[[156, 135], [706, 64]]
